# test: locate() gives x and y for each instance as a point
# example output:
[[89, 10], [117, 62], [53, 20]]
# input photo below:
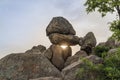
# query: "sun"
[[64, 46]]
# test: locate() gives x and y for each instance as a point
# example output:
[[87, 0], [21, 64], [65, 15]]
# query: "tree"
[[104, 7]]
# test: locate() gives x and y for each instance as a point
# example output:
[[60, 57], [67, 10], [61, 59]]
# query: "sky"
[[23, 23]]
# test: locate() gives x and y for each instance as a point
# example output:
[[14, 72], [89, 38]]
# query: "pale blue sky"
[[23, 22]]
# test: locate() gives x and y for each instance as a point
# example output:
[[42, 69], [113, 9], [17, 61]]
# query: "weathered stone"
[[81, 41], [60, 25], [90, 39], [60, 55], [63, 39], [70, 72], [23, 66], [110, 43], [101, 44], [95, 59], [48, 53], [36, 49], [76, 57], [47, 78], [89, 42], [112, 52]]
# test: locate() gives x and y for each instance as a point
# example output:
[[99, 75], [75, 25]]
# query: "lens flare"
[[64, 46]]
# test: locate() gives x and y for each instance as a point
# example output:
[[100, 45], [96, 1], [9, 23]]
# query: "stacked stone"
[[60, 32], [88, 42]]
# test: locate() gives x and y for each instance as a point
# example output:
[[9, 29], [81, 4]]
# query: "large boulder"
[[70, 72], [23, 66], [88, 42], [76, 57], [36, 49], [57, 38], [59, 55], [60, 25], [47, 78]]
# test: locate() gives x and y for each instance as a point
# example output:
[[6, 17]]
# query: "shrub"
[[109, 70], [100, 49], [90, 71]]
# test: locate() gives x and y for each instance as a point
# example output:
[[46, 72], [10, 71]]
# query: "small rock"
[[110, 43], [95, 59], [101, 44], [60, 25], [112, 52], [63, 39]]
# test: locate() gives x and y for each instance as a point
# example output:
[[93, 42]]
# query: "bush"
[[109, 70], [100, 49], [112, 66], [90, 71]]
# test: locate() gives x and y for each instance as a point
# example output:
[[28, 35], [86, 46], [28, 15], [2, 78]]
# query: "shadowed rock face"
[[60, 25], [75, 58], [58, 56]]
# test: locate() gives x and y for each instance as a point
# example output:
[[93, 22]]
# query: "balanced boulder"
[[60, 25]]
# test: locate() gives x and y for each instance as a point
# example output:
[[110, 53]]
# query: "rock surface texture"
[[60, 25], [76, 57], [23, 66], [69, 72], [47, 78], [36, 49], [88, 42], [60, 39]]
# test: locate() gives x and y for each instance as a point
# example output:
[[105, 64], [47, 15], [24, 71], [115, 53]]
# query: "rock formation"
[[60, 32], [88, 42], [54, 63]]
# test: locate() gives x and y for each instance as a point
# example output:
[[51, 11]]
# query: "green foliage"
[[115, 28], [102, 6], [109, 70], [112, 66], [90, 71], [99, 50]]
